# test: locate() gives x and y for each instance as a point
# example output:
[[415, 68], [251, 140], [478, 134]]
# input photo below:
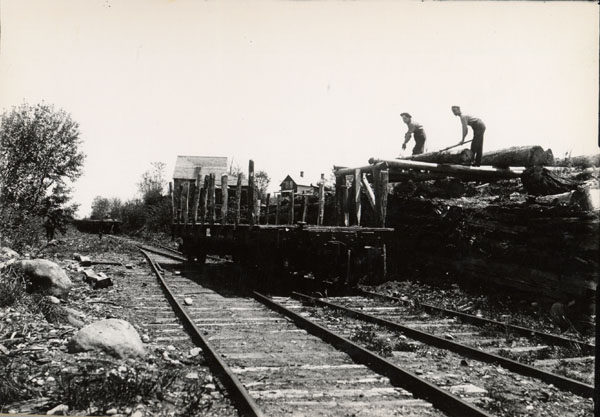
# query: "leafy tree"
[[39, 153], [152, 185], [262, 180], [56, 211], [100, 208]]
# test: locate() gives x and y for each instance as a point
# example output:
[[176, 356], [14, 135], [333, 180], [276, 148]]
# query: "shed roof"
[[186, 169], [186, 166]]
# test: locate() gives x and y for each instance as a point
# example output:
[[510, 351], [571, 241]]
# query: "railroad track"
[[273, 360], [448, 351]]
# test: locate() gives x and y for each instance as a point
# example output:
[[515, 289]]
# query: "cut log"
[[540, 181], [582, 161], [584, 198], [526, 156], [453, 156], [458, 171]]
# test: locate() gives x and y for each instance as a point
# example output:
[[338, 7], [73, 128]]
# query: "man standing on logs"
[[478, 131], [415, 129]]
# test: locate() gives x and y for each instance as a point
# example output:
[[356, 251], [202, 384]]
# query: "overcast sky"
[[298, 85]]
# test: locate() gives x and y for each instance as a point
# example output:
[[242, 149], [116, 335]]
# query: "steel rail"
[[550, 338], [443, 400], [161, 252], [576, 387], [244, 402]]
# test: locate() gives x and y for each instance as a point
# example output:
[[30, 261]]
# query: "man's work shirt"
[[467, 120], [412, 127]]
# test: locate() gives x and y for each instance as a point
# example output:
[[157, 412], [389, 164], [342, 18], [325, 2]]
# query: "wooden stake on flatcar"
[[277, 208], [238, 200], [211, 200], [267, 208], [257, 209], [196, 199], [180, 214], [304, 208], [321, 213], [225, 197], [339, 212], [186, 216], [345, 201], [204, 200], [368, 191], [172, 195], [357, 202], [291, 208], [383, 184], [251, 193]]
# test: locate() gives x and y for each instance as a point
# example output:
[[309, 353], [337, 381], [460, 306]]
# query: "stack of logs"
[[547, 251], [536, 232]]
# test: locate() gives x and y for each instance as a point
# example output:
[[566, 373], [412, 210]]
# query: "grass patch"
[[372, 341], [100, 389], [12, 287], [13, 386]]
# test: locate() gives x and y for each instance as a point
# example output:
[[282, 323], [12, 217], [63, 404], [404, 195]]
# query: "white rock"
[[192, 375], [171, 348], [194, 352], [114, 336], [111, 411], [137, 413], [145, 338], [59, 410], [188, 301], [47, 276], [52, 299], [7, 254]]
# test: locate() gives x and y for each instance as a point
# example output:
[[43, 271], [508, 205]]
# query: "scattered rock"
[[53, 299], [188, 301], [145, 338], [46, 276], [114, 336], [59, 410], [111, 411], [194, 352], [129, 266], [97, 281], [137, 413], [4, 349], [192, 375]]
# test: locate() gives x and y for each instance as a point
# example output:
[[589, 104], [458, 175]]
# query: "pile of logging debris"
[[521, 222], [539, 248]]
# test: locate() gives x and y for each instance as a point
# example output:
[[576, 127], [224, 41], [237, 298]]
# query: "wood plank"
[[368, 191], [225, 197], [277, 208], [173, 209], [345, 208], [197, 189], [212, 212], [304, 208], [291, 208], [267, 204], [321, 211], [251, 193], [357, 202], [238, 200]]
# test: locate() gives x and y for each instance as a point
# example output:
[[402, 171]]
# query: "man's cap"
[[406, 114], [455, 107]]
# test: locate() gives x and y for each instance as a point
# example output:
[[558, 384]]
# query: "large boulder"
[[113, 336], [46, 276]]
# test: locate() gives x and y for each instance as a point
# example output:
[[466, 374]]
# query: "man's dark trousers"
[[477, 144]]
